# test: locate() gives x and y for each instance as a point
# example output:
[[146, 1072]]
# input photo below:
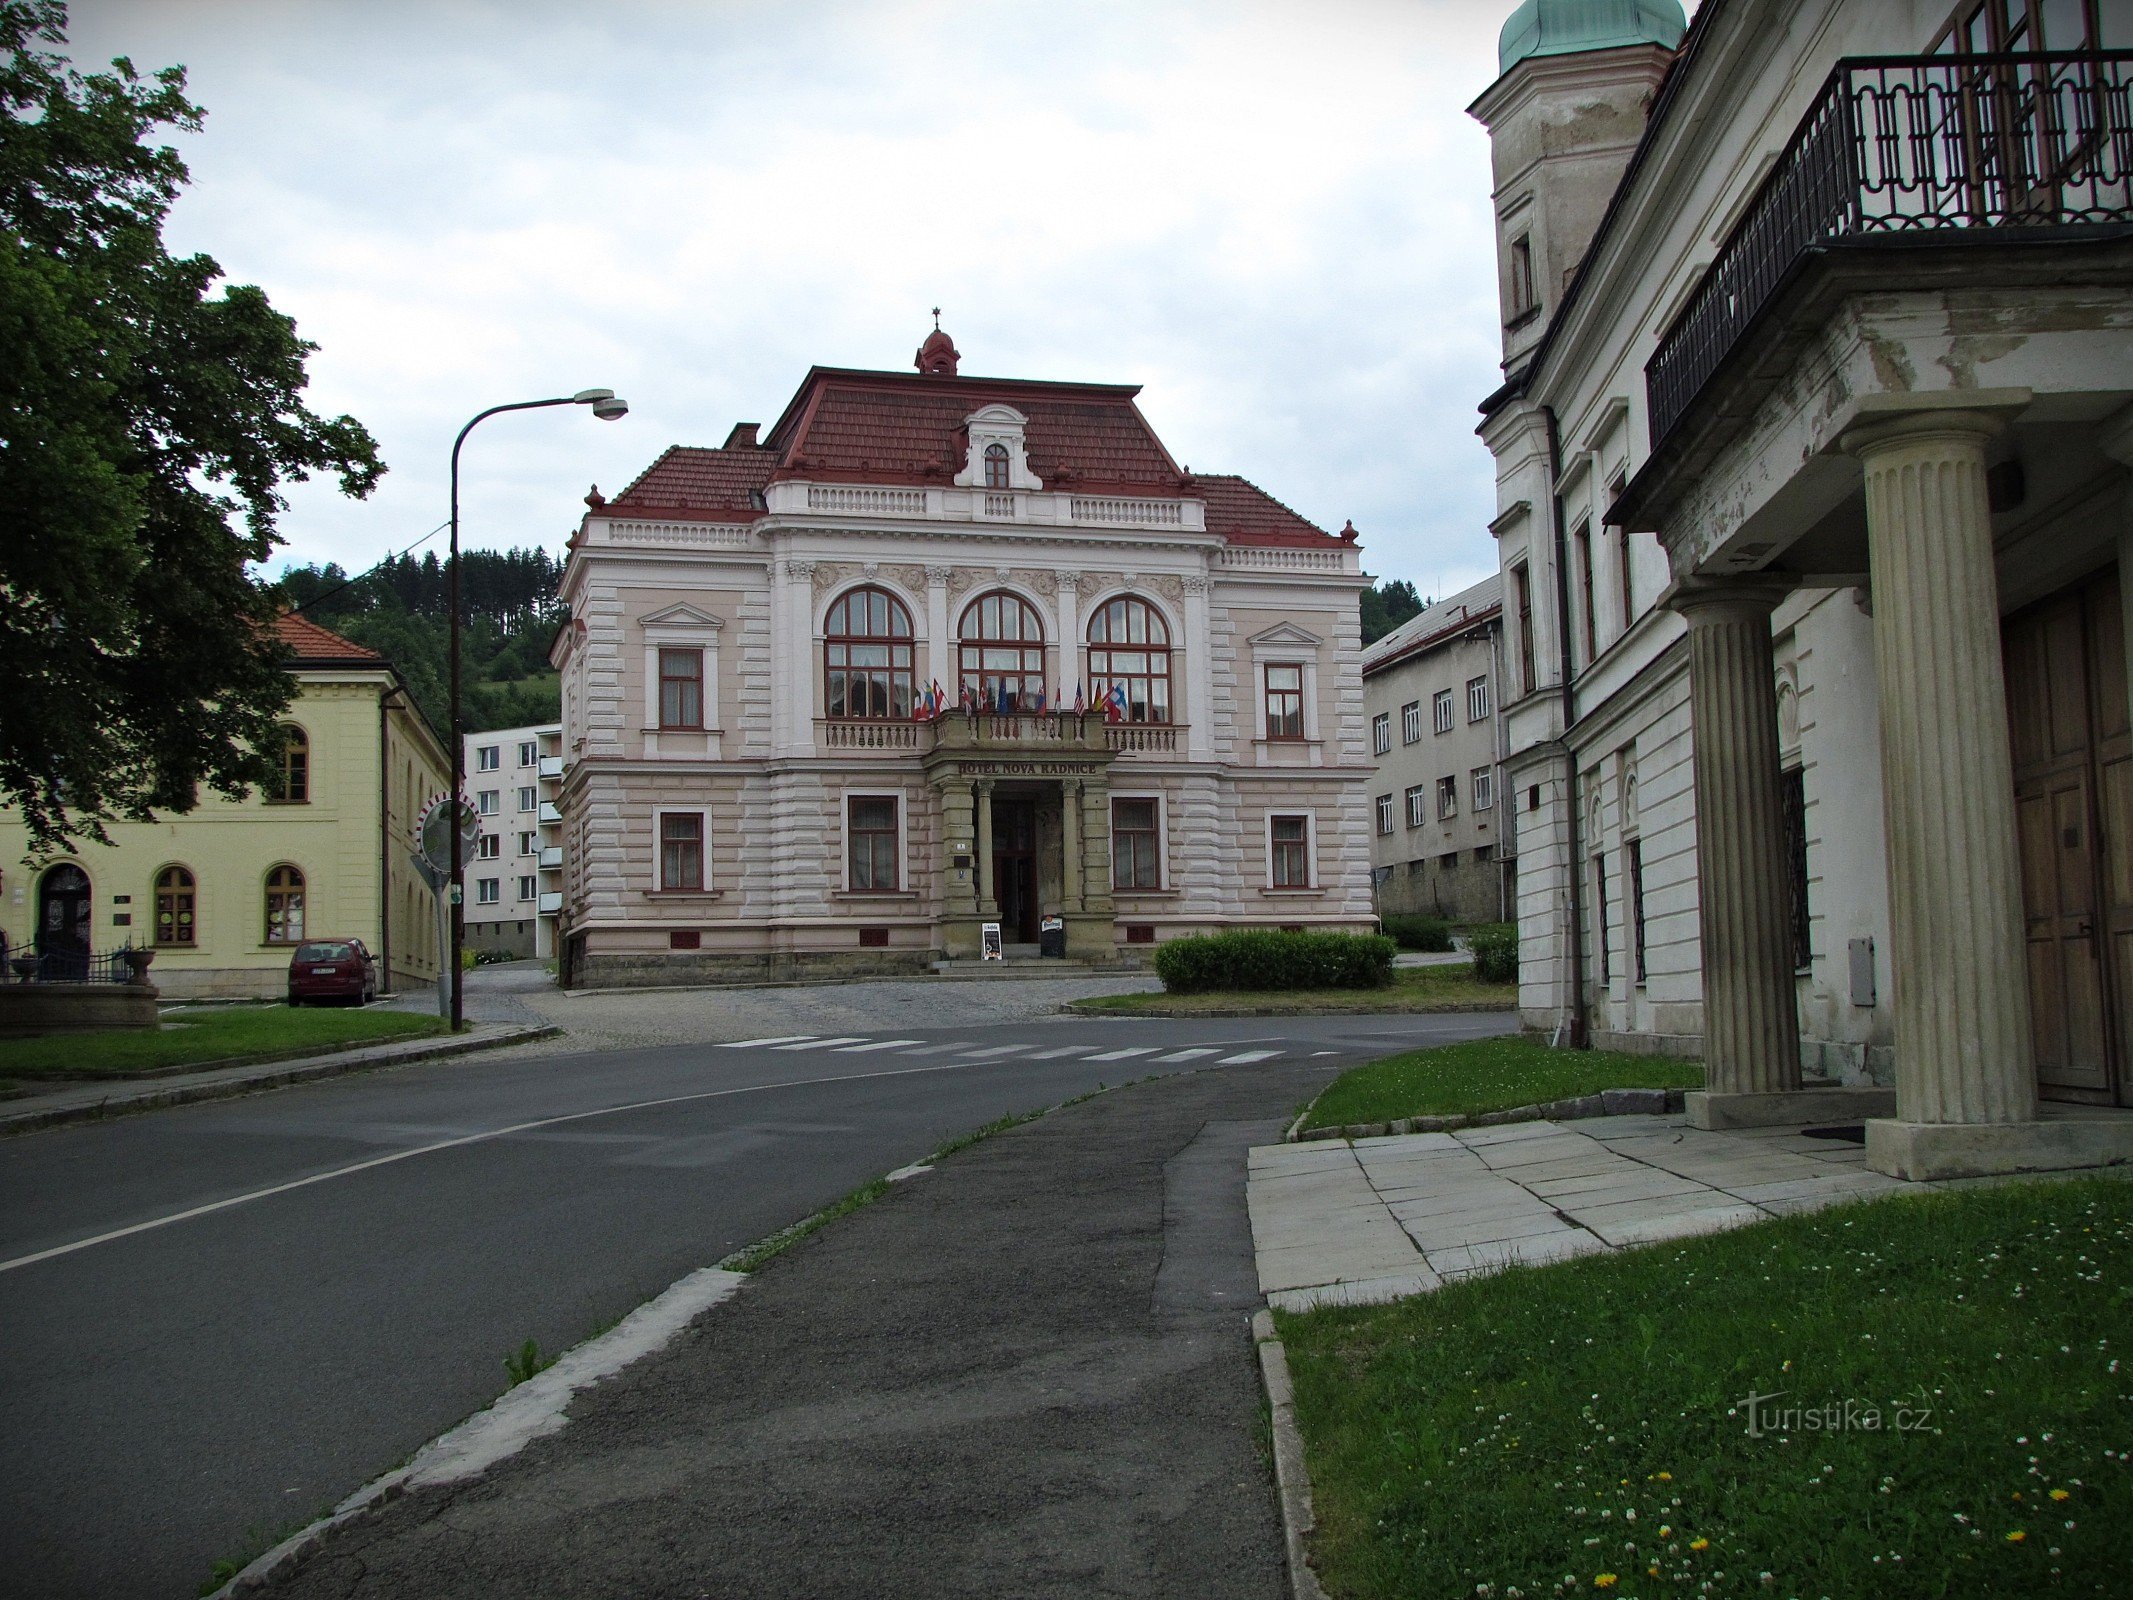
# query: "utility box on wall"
[[1862, 954]]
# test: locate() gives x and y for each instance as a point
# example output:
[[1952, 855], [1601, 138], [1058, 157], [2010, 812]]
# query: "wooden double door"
[[2073, 775], [1014, 866]]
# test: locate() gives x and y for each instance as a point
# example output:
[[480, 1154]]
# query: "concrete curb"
[[357, 1058], [522, 1414], [1291, 1477], [1607, 1103], [1080, 1008]]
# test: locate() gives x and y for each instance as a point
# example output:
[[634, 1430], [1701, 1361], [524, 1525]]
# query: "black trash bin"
[[1051, 937]]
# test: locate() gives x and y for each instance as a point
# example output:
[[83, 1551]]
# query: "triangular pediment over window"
[[680, 616], [1286, 633]]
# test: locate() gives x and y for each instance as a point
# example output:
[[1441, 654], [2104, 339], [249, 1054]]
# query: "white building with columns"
[[1812, 461], [753, 783]]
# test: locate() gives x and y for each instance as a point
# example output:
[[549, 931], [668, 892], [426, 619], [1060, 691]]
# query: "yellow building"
[[223, 893]]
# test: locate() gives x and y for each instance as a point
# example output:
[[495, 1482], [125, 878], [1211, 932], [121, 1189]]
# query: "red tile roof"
[[703, 485], [1244, 513], [904, 428], [307, 641]]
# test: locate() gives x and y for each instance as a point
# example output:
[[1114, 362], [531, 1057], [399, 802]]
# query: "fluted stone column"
[[1963, 1042], [1751, 1029]]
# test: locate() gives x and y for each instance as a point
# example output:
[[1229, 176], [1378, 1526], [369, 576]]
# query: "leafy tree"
[[149, 417], [1386, 604]]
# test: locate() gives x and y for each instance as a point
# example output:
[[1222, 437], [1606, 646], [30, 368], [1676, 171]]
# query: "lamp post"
[[607, 406]]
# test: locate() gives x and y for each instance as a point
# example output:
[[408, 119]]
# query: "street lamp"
[[607, 406]]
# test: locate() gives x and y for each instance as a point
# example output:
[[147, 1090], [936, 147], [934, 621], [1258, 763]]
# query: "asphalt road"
[[186, 1387]]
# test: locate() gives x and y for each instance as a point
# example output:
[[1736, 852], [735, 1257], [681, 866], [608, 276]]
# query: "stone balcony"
[[1052, 732]]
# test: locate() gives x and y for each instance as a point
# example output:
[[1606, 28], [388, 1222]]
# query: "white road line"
[[1063, 1050], [1120, 1055], [1185, 1055], [464, 1139], [809, 1042], [878, 1044], [783, 1038], [1247, 1055], [993, 1052], [940, 1049]]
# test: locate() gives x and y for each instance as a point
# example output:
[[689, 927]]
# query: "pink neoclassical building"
[[758, 632]]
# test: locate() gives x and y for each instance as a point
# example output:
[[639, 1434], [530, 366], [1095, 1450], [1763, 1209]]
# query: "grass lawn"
[[1583, 1428], [206, 1035], [1488, 1075], [1445, 988]]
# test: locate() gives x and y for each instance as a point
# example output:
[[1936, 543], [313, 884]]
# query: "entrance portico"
[[1025, 808]]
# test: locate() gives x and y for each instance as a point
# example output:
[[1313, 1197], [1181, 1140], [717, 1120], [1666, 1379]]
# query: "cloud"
[[1275, 217]]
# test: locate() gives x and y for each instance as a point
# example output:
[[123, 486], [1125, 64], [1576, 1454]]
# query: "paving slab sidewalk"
[[1337, 1223], [1028, 1371]]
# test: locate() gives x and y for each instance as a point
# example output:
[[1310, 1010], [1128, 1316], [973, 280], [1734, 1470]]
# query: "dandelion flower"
[[2017, 1536], [1699, 1544], [1605, 1580], [2059, 1494]]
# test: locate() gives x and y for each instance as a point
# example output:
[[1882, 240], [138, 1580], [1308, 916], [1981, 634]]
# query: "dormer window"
[[996, 468]]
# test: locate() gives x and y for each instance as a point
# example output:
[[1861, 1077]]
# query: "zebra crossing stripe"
[[940, 1049], [991, 1052], [1247, 1055], [810, 1042], [1185, 1055], [1121, 1055], [878, 1044], [752, 1044], [1063, 1050]]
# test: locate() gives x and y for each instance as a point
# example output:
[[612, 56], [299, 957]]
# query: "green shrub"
[[1495, 947], [1263, 959], [1419, 933]]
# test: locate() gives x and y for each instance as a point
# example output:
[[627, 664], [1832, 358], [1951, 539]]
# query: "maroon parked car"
[[332, 969]]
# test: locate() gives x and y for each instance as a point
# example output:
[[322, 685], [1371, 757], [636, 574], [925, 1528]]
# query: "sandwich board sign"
[[989, 942]]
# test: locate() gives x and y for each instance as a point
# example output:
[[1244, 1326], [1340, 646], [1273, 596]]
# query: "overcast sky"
[[1275, 217]]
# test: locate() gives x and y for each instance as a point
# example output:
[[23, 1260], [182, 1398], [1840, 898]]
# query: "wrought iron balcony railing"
[[1911, 145]]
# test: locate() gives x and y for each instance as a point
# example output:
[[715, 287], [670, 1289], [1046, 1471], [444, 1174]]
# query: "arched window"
[[174, 908], [294, 786], [866, 655], [996, 466], [1002, 651], [1129, 645], [285, 905]]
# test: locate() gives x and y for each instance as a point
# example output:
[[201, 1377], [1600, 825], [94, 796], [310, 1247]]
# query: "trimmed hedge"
[[1263, 959], [1419, 933], [1495, 948]]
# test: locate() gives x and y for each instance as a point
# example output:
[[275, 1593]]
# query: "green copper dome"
[[1565, 27]]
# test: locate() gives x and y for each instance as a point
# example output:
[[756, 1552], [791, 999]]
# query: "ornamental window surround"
[[873, 843], [1289, 852], [1129, 645], [1136, 843], [1284, 700], [996, 467], [867, 659], [681, 850], [1000, 651]]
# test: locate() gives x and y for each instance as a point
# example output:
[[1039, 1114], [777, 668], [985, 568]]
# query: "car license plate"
[[322, 972]]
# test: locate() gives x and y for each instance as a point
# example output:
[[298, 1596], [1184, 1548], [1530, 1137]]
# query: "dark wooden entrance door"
[[1014, 866], [63, 922], [2073, 772]]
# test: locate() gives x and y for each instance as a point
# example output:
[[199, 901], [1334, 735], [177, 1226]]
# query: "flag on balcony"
[[940, 700], [1115, 704], [1080, 705], [1039, 708]]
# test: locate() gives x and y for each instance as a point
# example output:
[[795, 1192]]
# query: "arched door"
[[63, 922]]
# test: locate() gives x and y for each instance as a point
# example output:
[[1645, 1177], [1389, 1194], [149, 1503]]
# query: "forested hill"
[[509, 609]]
